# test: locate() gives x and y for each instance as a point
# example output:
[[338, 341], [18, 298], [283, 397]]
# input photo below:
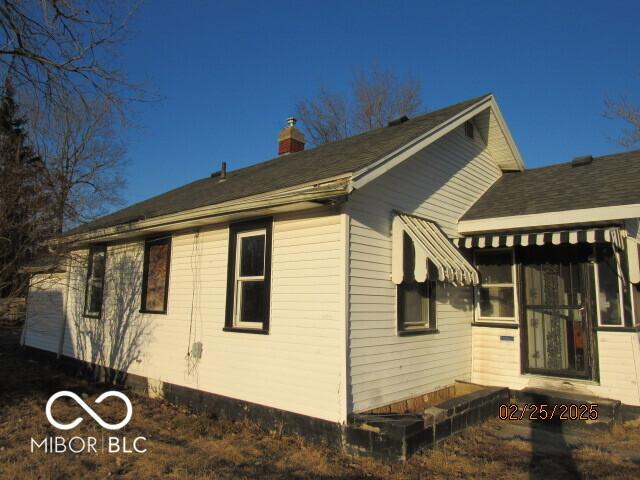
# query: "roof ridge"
[[330, 160], [367, 132], [568, 162]]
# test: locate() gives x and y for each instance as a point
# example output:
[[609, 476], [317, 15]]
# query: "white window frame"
[[513, 284], [238, 279], [596, 274]]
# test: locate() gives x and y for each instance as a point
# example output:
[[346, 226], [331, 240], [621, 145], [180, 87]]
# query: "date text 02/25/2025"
[[541, 411]]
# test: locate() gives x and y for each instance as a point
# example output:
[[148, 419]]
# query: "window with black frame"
[[249, 277], [94, 289], [416, 307]]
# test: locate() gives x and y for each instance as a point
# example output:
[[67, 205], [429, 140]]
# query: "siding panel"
[[297, 367], [441, 183]]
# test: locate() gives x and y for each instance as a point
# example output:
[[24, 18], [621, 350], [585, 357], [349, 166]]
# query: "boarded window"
[[155, 282], [94, 290], [248, 281], [416, 300]]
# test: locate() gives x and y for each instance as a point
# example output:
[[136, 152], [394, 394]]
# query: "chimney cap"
[[290, 139]]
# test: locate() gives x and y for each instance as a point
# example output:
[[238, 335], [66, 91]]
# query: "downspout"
[[344, 397], [63, 327]]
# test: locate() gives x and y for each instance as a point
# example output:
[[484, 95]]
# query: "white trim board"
[[548, 219], [374, 170], [291, 199]]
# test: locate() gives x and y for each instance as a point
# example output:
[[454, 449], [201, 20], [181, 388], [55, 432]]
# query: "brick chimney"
[[291, 139]]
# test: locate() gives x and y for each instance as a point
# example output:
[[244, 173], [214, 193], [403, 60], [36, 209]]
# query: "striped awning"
[[431, 245], [611, 235], [633, 259]]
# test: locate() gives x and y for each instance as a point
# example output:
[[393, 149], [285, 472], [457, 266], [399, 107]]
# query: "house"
[[362, 273]]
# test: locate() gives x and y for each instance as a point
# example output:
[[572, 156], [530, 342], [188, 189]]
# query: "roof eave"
[[584, 216], [297, 198]]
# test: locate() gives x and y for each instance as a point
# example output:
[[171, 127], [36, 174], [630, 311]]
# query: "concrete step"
[[571, 411]]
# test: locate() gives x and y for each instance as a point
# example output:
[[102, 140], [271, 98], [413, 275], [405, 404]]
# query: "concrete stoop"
[[395, 437]]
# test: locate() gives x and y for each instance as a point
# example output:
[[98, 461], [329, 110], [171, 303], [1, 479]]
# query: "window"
[[609, 288], [155, 276], [249, 277], [635, 299], [95, 281], [416, 301], [496, 293], [468, 129]]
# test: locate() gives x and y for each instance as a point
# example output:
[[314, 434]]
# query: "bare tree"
[[61, 57], [377, 97], [325, 118], [55, 49], [84, 158], [623, 109], [381, 96]]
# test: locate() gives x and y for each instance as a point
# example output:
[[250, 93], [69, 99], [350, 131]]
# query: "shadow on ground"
[[183, 445]]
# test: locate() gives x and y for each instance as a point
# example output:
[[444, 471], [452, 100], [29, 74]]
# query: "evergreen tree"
[[24, 210]]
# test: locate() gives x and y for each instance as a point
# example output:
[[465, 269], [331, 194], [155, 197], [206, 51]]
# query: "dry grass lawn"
[[184, 445]]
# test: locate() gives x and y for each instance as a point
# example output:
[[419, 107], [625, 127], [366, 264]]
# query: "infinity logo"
[[89, 410]]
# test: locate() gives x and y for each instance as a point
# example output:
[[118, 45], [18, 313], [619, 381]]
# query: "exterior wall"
[[497, 362], [440, 183], [44, 316], [297, 367]]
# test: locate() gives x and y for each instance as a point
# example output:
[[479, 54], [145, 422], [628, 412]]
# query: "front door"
[[558, 335]]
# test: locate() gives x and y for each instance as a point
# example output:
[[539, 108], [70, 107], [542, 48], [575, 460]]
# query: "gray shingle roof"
[[326, 161], [606, 181]]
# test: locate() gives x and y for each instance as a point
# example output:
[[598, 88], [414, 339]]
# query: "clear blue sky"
[[230, 73]]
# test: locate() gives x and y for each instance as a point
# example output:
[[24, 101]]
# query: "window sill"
[[422, 331], [259, 331], [514, 326], [153, 312], [88, 315], [612, 328]]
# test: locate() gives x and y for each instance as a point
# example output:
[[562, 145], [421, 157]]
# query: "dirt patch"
[[185, 445]]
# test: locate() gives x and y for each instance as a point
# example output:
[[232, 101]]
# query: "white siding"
[[45, 304], [297, 367], [440, 183], [497, 362]]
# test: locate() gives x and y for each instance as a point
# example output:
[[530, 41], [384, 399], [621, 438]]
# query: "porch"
[[557, 310]]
